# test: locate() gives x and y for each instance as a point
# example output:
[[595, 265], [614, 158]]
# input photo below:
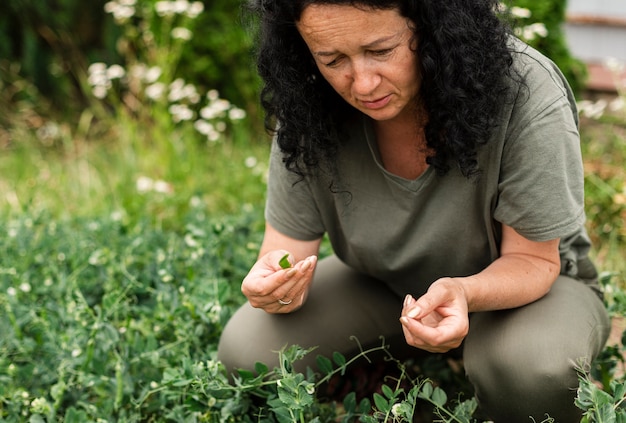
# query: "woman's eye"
[[333, 64], [383, 52]]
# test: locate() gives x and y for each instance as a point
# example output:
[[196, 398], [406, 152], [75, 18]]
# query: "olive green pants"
[[521, 361]]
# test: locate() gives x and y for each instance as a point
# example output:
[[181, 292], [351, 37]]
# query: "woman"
[[441, 157]]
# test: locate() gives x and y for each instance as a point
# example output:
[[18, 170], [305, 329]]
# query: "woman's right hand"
[[276, 290]]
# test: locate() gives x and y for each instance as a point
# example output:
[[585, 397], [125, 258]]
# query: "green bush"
[[543, 29], [54, 42]]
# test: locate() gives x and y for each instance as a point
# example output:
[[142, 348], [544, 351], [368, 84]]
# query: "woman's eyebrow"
[[372, 44]]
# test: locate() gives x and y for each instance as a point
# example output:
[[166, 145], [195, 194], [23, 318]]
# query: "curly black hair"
[[464, 60]]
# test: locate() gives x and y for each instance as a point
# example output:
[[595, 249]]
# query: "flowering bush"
[[153, 35]]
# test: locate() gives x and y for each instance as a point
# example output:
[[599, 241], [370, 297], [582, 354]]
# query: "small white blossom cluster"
[[122, 10], [183, 97], [527, 32], [179, 7], [143, 85], [24, 287], [211, 123], [101, 78], [532, 31], [520, 12], [145, 184], [595, 109]]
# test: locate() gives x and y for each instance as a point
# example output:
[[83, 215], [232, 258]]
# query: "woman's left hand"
[[438, 321]]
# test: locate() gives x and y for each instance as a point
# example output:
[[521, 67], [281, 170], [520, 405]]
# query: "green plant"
[[540, 23], [601, 405], [95, 311]]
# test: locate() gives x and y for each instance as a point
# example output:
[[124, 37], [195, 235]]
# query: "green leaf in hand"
[[283, 262]]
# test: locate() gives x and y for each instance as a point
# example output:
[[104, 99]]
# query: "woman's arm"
[[524, 273], [438, 321], [270, 287]]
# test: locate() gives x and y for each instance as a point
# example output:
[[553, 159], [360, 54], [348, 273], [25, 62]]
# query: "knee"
[[514, 384], [243, 343]]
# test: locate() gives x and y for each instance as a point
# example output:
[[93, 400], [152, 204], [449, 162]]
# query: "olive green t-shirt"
[[409, 233]]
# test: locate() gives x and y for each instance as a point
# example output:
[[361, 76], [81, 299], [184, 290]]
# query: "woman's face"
[[366, 55]]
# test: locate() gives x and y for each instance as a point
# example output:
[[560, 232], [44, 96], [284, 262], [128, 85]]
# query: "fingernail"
[[305, 265], [407, 299], [414, 312], [292, 271]]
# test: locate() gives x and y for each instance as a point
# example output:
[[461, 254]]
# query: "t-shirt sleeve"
[[290, 206], [541, 186]]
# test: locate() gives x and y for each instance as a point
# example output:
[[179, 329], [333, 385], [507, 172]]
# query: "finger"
[[410, 309], [427, 338], [297, 279], [294, 282]]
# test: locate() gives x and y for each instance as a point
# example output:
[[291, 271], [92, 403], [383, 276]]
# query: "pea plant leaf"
[[381, 403], [324, 364]]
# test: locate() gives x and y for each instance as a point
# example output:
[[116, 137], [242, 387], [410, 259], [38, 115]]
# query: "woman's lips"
[[376, 104]]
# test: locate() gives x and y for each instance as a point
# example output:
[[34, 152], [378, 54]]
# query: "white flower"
[[592, 110], [521, 12], [144, 184], [190, 241], [76, 352], [11, 292], [152, 74], [163, 8], [236, 114], [121, 11], [117, 216], [180, 91], [212, 95], [180, 112], [203, 126], [40, 406], [530, 32], [155, 91], [250, 162], [618, 104], [97, 68], [163, 187], [180, 6], [195, 201], [177, 91], [500, 7], [216, 108], [25, 287], [115, 72], [195, 9], [395, 409], [181, 33], [99, 91]]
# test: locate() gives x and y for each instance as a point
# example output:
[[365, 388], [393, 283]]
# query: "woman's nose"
[[365, 79]]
